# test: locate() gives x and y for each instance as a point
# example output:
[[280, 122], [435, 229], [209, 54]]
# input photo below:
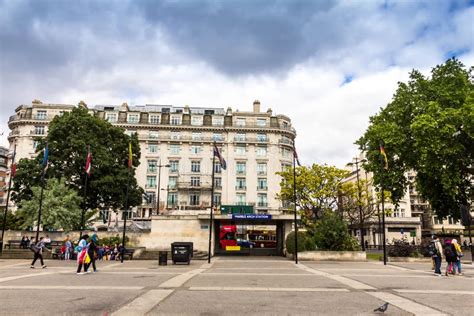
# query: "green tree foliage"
[[331, 233], [13, 221], [60, 207], [356, 197], [428, 127], [317, 189], [68, 137]]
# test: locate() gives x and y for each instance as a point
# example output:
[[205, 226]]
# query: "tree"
[[428, 127], [13, 222], [61, 207], [68, 138], [317, 190], [350, 202], [331, 233]]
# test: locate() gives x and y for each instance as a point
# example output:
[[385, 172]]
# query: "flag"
[[13, 166], [219, 156], [295, 156], [88, 162], [382, 152], [130, 156], [44, 163]]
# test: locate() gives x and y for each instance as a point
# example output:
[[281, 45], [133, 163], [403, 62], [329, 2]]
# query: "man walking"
[[38, 251], [437, 254]]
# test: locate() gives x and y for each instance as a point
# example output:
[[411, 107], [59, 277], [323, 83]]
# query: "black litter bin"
[[163, 258], [181, 252]]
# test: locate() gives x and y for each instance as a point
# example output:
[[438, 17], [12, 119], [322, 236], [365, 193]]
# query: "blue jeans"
[[458, 265], [437, 265]]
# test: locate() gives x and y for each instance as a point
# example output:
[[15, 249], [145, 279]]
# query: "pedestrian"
[[38, 253], [24, 242], [81, 250], [436, 251], [68, 250], [451, 257], [92, 251], [465, 243], [459, 254]]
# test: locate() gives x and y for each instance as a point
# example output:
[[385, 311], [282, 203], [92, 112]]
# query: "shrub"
[[331, 233], [111, 241], [290, 242], [402, 248]]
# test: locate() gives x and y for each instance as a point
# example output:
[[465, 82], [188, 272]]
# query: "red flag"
[[13, 166], [219, 157], [295, 156], [88, 162]]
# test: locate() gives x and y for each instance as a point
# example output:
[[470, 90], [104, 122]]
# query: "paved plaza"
[[233, 286]]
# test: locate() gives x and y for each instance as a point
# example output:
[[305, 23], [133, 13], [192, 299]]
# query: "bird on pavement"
[[382, 308]]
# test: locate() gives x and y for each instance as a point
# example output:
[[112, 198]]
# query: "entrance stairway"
[[22, 254]]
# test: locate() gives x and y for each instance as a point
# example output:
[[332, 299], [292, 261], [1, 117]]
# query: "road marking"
[[14, 265], [228, 260], [127, 272], [262, 274], [68, 287], [179, 280], [6, 279], [265, 289], [143, 303], [388, 276], [112, 265], [349, 282], [289, 268], [455, 292], [398, 267], [405, 304]]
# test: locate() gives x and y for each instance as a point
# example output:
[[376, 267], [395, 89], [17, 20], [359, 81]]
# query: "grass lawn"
[[374, 256]]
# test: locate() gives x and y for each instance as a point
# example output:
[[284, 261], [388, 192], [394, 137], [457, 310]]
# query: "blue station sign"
[[251, 216]]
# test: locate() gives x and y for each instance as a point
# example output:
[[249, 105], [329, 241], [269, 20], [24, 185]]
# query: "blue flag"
[[45, 157]]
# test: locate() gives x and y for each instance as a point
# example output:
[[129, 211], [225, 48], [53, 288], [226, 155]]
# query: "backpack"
[[432, 251], [448, 251], [34, 248]]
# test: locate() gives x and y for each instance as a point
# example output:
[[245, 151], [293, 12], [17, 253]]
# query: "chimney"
[[256, 106]]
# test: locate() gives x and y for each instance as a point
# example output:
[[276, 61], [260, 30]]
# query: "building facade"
[[3, 176], [176, 146]]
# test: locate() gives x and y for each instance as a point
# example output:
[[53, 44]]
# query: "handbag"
[[87, 258]]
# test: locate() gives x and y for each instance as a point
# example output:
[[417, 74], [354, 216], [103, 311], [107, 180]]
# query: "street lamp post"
[[159, 188], [359, 195]]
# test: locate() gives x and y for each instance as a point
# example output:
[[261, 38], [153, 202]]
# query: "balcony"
[[240, 187], [284, 141], [262, 204], [30, 117], [262, 188]]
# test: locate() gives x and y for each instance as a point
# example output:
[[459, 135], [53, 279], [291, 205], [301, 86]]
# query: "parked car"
[[245, 243]]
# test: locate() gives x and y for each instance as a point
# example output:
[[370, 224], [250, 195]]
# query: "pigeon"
[[382, 308]]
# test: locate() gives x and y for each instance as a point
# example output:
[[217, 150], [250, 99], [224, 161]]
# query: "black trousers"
[[91, 263], [37, 255]]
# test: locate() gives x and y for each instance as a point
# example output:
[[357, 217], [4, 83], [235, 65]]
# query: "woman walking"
[[459, 254], [38, 250], [81, 254], [92, 251], [451, 257]]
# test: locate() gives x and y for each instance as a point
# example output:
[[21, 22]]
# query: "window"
[[217, 137], [240, 122], [195, 181], [194, 198], [262, 183], [240, 184], [152, 148], [218, 182], [261, 168], [261, 122], [240, 150], [217, 199], [195, 166], [152, 165], [261, 138], [396, 213], [39, 130], [217, 120], [196, 120], [172, 181], [174, 149], [174, 135], [402, 212], [285, 152], [151, 198], [154, 135], [111, 117], [285, 166], [130, 132], [35, 144], [240, 137], [195, 149], [261, 151], [172, 199], [154, 119], [451, 220], [196, 136], [262, 200], [240, 198], [151, 181], [437, 221], [133, 118], [240, 167], [174, 166], [217, 167], [41, 115], [175, 120]]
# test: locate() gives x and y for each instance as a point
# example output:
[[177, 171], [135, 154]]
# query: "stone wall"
[[332, 255]]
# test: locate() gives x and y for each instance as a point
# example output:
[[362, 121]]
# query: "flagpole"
[[385, 165], [294, 204], [126, 203], [83, 206], [8, 201], [212, 203], [43, 172]]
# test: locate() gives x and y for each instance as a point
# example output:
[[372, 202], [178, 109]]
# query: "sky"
[[328, 65]]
